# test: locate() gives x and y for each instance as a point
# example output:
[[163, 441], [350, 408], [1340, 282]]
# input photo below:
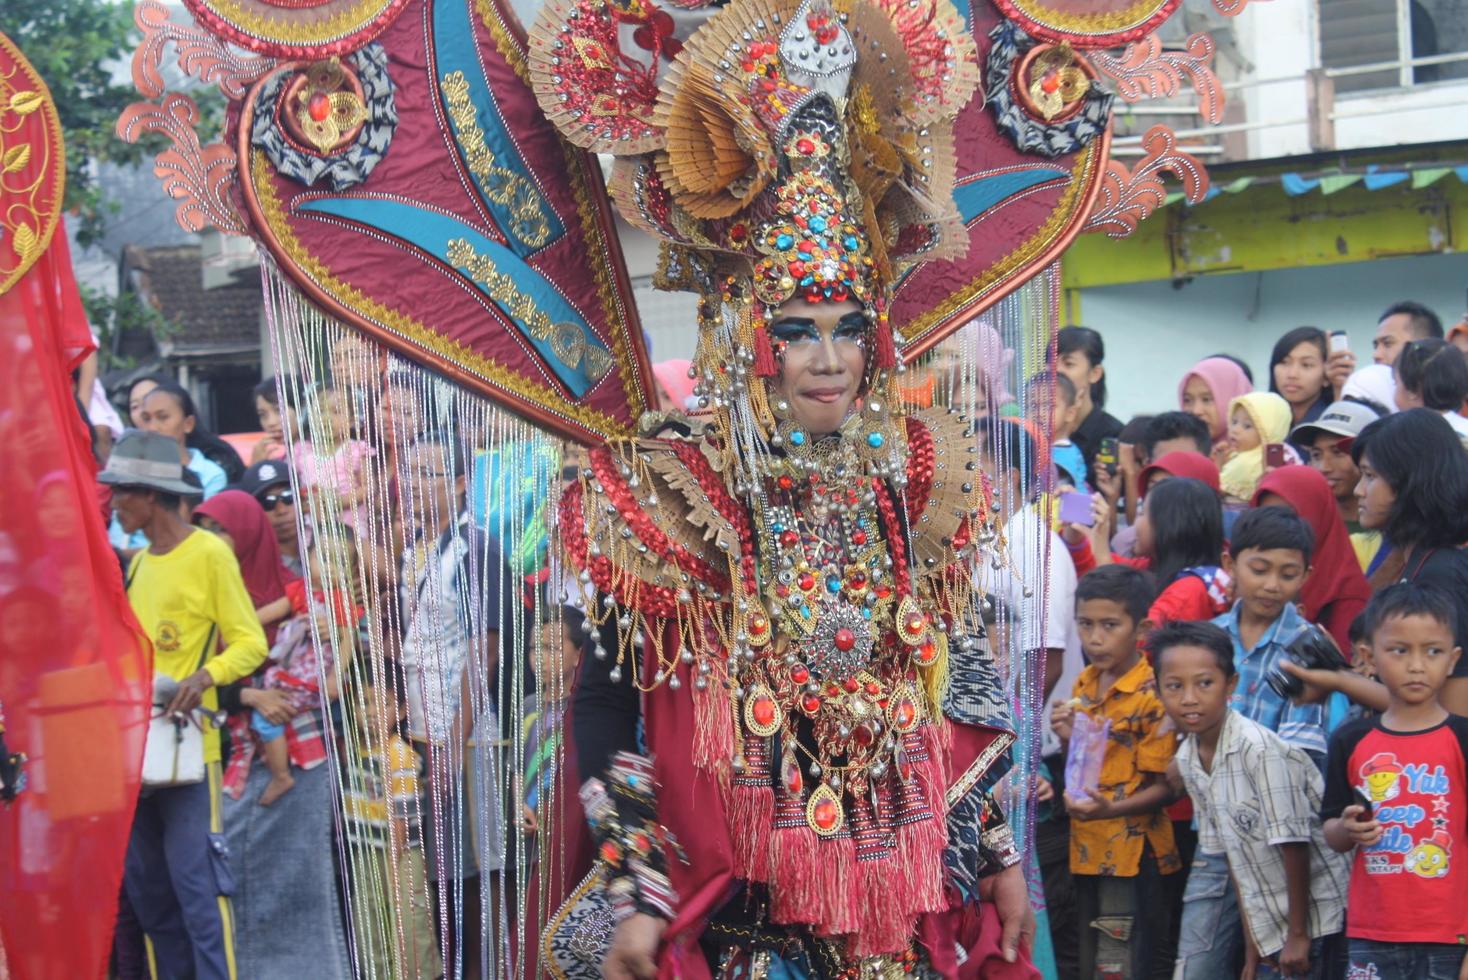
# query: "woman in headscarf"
[[239, 519], [1335, 591], [1208, 388]]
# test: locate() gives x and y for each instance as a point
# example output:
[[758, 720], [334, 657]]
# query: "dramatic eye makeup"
[[791, 329]]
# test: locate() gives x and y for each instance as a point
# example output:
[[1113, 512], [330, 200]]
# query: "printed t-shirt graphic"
[[1405, 887]]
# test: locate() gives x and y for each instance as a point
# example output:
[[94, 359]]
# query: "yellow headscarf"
[[1271, 416]]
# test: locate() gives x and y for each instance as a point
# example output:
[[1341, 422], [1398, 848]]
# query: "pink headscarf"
[[1225, 379], [993, 359], [673, 376]]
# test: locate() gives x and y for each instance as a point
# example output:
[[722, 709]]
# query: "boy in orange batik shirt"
[[1120, 840]]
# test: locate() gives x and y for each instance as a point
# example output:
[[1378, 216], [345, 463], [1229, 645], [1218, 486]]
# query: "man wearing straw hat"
[[186, 590]]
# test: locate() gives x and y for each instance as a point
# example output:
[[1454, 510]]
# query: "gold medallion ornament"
[[824, 813], [762, 713]]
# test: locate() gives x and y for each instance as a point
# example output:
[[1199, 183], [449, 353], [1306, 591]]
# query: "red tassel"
[[886, 349], [764, 354], [793, 875], [752, 818]]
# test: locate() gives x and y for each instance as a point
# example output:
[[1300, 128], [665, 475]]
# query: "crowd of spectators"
[[1263, 594]]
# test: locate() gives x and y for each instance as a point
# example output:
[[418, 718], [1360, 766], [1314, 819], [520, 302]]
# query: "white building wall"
[[1154, 331]]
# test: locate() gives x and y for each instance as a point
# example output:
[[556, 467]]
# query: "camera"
[[1313, 650]]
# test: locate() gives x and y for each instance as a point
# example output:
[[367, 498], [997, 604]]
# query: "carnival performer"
[[790, 723]]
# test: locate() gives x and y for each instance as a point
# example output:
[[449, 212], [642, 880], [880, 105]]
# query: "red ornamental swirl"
[[198, 177], [1129, 196], [1145, 71]]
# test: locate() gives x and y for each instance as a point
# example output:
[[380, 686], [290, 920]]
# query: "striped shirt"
[[382, 787], [1264, 792]]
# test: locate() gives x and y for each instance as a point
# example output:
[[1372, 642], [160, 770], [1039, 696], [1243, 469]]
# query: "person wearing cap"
[[1329, 439], [186, 590], [269, 482]]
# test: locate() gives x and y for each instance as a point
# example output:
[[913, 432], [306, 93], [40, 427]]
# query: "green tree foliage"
[[80, 48]]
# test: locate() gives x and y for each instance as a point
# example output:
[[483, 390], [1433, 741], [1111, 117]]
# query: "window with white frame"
[[1383, 44]]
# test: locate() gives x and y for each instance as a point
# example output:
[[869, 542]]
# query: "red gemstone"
[[785, 483], [807, 582], [852, 685], [825, 814], [845, 639], [858, 536], [791, 777], [1051, 83], [805, 145], [873, 688], [884, 590], [789, 538], [800, 673], [319, 107], [916, 622], [763, 710], [905, 715], [810, 704], [858, 580], [797, 268], [758, 625], [864, 735], [927, 653]]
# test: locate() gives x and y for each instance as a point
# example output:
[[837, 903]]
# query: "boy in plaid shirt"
[[1256, 799]]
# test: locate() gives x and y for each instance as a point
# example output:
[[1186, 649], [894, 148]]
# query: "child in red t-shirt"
[[1407, 909]]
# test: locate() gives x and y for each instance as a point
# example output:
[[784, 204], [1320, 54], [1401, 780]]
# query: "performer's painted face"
[[822, 352]]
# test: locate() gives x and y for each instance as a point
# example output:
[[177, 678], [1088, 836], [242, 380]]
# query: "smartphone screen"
[[1274, 454], [1339, 341], [1075, 508], [1108, 453]]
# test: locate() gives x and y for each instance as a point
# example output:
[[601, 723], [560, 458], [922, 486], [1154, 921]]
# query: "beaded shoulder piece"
[[653, 525]]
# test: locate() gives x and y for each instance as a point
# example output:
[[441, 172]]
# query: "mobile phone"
[[1108, 453], [1359, 798], [1075, 508], [1274, 455], [1339, 341]]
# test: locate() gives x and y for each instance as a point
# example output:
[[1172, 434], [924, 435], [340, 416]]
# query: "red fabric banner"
[[75, 669]]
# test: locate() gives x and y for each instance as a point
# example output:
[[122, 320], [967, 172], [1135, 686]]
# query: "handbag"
[[173, 754], [578, 936]]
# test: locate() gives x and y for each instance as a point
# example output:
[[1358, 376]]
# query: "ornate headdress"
[[777, 148]]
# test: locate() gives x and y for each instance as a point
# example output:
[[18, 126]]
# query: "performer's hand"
[[634, 952], [1012, 901]]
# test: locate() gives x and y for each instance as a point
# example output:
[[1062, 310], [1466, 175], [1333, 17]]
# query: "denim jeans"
[[1117, 922], [1210, 943], [1371, 960]]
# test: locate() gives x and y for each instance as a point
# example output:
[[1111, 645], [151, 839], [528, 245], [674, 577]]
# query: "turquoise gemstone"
[[797, 438], [817, 223], [875, 440], [833, 585], [784, 241], [851, 243], [867, 613], [805, 611]]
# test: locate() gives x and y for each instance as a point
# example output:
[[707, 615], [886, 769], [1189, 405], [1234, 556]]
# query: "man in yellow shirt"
[[186, 590]]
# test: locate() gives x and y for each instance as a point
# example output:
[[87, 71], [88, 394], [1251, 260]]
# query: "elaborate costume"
[[791, 722], [787, 613]]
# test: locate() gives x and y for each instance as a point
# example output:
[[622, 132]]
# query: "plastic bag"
[[1086, 753]]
